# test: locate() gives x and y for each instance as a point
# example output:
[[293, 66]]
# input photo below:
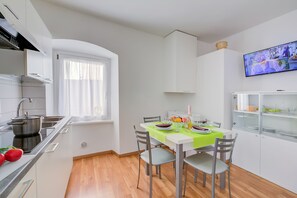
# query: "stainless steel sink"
[[50, 121], [52, 118], [48, 124]]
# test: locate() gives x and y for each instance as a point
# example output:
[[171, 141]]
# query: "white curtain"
[[84, 87]]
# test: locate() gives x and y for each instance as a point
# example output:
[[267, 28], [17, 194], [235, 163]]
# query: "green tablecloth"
[[199, 140]]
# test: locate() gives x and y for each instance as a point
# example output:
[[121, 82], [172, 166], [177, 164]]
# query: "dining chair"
[[152, 156], [154, 142], [209, 164], [205, 149]]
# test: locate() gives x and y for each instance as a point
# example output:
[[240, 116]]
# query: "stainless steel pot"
[[26, 125]]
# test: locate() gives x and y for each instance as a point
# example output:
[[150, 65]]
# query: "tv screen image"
[[276, 59]]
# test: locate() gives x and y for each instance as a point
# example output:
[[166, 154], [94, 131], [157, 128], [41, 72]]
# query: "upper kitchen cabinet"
[[219, 73], [38, 29], [181, 52], [37, 66], [14, 10]]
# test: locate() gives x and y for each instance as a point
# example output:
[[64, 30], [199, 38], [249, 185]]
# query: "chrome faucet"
[[19, 105]]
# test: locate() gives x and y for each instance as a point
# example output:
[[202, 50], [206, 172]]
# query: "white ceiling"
[[210, 20]]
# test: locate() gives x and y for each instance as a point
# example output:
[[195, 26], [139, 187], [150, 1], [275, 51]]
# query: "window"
[[84, 86]]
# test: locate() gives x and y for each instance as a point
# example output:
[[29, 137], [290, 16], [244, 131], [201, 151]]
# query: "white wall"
[[91, 138], [36, 92], [141, 59], [274, 32]]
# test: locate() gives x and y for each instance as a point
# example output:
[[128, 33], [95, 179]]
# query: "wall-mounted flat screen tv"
[[276, 59]]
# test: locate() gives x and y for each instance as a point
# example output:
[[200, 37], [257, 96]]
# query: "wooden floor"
[[109, 176]]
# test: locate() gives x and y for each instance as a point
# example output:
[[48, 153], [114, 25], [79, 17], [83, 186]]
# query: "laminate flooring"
[[109, 176]]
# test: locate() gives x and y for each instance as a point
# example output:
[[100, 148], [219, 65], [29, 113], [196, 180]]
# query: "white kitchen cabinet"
[[27, 187], [38, 65], [246, 152], [34, 63], [180, 67], [54, 166], [34, 24], [38, 29], [279, 162], [266, 123], [215, 84], [66, 156], [15, 11]]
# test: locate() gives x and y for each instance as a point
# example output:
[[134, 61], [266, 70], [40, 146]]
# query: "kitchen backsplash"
[[10, 95], [12, 91], [35, 91]]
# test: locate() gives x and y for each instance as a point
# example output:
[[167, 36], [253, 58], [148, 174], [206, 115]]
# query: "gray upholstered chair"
[[152, 156], [209, 164]]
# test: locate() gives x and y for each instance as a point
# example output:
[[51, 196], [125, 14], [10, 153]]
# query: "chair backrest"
[[152, 119], [223, 146], [142, 137], [216, 124]]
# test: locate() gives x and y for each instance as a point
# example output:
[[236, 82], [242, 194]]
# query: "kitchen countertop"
[[10, 182]]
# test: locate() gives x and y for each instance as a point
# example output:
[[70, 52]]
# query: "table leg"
[[222, 175], [179, 170]]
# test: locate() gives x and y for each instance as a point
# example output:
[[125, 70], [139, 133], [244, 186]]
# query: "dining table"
[[181, 140]]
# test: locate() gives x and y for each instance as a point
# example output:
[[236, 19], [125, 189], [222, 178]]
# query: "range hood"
[[10, 38]]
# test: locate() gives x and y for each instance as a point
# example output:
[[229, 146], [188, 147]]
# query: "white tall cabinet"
[[218, 75], [180, 65]]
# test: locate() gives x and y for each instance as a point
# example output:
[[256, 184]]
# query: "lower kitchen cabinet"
[[54, 166], [269, 157], [246, 152], [27, 186], [279, 162]]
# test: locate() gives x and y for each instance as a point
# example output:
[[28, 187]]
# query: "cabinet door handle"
[[10, 10], [53, 149], [35, 74], [64, 131], [27, 185]]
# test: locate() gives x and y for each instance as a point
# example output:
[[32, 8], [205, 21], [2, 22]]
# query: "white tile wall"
[[12, 91], [37, 93], [10, 94]]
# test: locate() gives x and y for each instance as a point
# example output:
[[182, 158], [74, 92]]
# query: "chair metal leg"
[[159, 168], [195, 175], [185, 183], [151, 180], [204, 179], [213, 182], [138, 171], [229, 184]]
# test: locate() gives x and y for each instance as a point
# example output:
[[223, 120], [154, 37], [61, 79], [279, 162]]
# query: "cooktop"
[[26, 143]]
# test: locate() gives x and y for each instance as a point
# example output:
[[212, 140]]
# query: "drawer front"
[[26, 187]]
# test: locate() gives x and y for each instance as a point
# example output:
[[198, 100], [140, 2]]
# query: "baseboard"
[[92, 154], [105, 152], [126, 154]]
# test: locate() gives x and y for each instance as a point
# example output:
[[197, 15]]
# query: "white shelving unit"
[[266, 123]]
